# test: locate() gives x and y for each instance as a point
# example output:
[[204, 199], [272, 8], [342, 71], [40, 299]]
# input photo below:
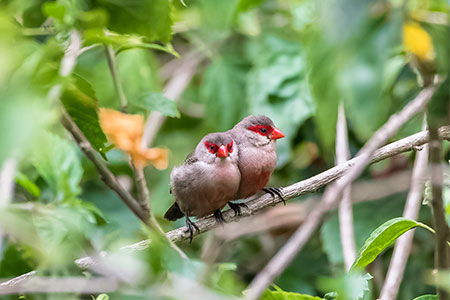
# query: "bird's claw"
[[275, 191], [219, 217], [236, 207], [191, 226]]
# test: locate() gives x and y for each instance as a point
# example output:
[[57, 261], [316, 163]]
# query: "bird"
[[256, 138], [207, 180]]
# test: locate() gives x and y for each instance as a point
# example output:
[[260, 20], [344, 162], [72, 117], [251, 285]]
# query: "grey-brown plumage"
[[256, 138], [207, 181]]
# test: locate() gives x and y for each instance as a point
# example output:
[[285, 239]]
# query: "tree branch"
[[79, 285], [143, 197], [439, 223], [403, 245], [345, 206], [333, 193], [107, 176]]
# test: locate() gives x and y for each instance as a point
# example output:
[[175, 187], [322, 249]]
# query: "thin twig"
[[403, 245], [112, 63], [345, 206], [142, 191], [16, 281], [79, 285], [185, 70], [439, 223], [333, 193], [107, 176], [297, 189]]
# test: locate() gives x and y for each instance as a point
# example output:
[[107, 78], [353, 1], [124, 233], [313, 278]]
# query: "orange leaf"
[[126, 131]]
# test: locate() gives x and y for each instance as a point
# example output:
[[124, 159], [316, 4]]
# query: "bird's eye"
[[263, 130], [230, 147], [211, 147]]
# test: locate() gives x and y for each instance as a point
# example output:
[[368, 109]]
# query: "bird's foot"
[[275, 191], [236, 207], [191, 226], [219, 217]]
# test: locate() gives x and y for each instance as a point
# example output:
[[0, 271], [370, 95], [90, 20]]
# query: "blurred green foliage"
[[292, 60]]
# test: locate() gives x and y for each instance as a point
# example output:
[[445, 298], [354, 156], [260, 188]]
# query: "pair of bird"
[[225, 166]]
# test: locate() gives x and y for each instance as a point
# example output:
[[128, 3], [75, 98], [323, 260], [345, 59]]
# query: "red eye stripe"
[[261, 129], [230, 147], [213, 148]]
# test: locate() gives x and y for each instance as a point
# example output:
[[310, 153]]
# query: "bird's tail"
[[173, 213]]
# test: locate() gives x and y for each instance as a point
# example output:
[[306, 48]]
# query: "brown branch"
[[12, 283], [333, 193], [143, 197], [28, 283], [107, 176], [439, 223], [345, 206], [403, 245]]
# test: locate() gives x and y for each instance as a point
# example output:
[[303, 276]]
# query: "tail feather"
[[173, 213]]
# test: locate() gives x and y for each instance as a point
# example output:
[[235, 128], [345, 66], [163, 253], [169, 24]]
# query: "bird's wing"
[[190, 159]]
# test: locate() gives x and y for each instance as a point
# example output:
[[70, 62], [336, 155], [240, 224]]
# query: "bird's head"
[[218, 147], [259, 130]]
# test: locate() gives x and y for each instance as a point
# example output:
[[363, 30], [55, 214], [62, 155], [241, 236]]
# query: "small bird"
[[207, 180], [256, 138]]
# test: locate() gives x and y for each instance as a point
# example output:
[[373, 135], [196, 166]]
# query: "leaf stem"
[[112, 63]]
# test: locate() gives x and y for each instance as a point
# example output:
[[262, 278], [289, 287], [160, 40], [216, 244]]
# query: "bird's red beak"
[[276, 134], [222, 152]]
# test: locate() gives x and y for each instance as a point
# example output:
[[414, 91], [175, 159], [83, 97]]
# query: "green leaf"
[[102, 297], [57, 162], [79, 100], [350, 286], [427, 297], [33, 16], [54, 10], [27, 184], [365, 222], [381, 238], [282, 295], [158, 102], [15, 260], [150, 18], [277, 86], [223, 92]]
